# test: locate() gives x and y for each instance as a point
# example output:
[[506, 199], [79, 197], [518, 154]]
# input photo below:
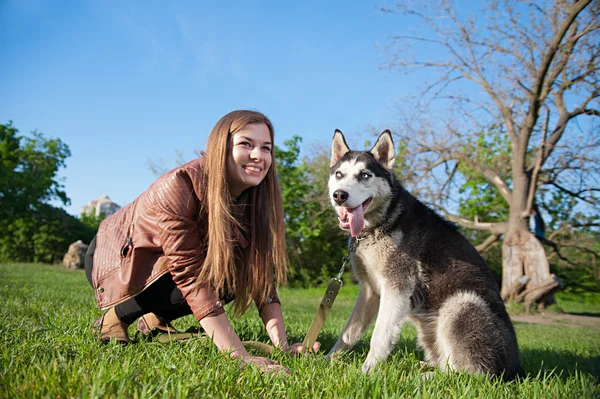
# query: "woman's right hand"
[[220, 330], [265, 364]]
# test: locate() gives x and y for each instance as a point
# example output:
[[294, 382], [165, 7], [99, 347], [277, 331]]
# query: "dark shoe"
[[112, 329], [149, 326], [153, 330]]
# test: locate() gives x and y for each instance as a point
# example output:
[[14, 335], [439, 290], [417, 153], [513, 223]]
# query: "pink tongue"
[[357, 221]]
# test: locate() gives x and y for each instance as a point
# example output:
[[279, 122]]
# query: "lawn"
[[49, 350]]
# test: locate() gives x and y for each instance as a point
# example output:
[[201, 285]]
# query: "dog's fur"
[[412, 264]]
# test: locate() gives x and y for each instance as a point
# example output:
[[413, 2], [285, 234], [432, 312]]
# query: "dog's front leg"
[[393, 310], [364, 311]]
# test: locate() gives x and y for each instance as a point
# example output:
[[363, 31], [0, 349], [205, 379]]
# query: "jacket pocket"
[[127, 247]]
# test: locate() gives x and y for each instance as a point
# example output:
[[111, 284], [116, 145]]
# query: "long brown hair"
[[248, 273]]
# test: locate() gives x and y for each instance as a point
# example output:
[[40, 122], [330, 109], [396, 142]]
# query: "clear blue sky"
[[124, 82]]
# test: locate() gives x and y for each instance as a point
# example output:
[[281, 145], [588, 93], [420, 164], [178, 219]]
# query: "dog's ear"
[[338, 147], [383, 150]]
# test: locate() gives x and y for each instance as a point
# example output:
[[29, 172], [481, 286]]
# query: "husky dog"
[[412, 264]]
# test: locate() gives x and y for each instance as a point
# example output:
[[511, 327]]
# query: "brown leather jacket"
[[158, 233]]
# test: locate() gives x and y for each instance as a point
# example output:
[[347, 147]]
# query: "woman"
[[202, 234]]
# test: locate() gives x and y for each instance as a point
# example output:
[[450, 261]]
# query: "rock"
[[75, 257]]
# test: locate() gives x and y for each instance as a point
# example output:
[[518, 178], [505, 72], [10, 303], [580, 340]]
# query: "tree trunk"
[[524, 255]]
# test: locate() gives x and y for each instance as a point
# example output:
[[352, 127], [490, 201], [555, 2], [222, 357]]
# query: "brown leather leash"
[[324, 307], [318, 321]]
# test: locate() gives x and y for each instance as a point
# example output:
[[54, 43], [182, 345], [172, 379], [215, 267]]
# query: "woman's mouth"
[[253, 169]]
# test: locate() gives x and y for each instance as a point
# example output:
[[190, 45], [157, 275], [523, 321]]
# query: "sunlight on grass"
[[49, 350]]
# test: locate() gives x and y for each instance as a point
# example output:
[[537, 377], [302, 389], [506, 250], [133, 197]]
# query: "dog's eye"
[[365, 176], [339, 174]]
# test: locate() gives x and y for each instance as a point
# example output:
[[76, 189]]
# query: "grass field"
[[48, 350]]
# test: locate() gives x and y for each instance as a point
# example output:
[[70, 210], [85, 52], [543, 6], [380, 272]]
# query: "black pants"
[[162, 297]]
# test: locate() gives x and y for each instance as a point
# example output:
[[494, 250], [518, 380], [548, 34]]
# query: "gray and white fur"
[[413, 265]]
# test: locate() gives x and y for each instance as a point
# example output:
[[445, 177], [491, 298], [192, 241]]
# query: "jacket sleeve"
[[273, 298], [180, 235]]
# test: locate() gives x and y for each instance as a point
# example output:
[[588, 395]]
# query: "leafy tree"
[[30, 229], [316, 245], [28, 171], [516, 78], [91, 220]]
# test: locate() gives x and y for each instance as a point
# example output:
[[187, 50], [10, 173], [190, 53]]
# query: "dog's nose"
[[340, 196]]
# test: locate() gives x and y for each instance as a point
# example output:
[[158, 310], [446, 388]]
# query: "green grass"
[[48, 350], [587, 303]]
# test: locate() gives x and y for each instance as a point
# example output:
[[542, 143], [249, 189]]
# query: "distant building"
[[101, 206]]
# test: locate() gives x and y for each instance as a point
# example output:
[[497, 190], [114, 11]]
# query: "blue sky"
[[124, 82]]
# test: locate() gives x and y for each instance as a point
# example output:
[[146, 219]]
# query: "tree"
[[28, 168], [520, 82], [92, 220], [31, 230], [316, 245]]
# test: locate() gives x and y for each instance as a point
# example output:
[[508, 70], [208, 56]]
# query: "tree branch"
[[495, 228], [536, 168], [491, 240], [576, 194], [553, 47]]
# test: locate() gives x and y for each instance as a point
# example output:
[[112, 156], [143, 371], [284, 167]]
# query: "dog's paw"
[[369, 365], [334, 355], [425, 365], [427, 376]]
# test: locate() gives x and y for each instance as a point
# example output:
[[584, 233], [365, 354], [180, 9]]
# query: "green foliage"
[[28, 171], [402, 168], [579, 271], [315, 243], [49, 350], [561, 209], [91, 220], [479, 197], [585, 302], [579, 267], [30, 229], [43, 235]]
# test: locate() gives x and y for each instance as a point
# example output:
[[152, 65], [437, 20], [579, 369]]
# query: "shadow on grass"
[[560, 363], [589, 314], [563, 364], [362, 347]]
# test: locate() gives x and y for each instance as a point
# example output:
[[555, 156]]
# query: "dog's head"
[[360, 181]]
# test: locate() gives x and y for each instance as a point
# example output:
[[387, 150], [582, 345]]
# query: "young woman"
[[202, 235]]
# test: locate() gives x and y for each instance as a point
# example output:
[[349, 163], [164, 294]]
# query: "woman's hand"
[[265, 365], [225, 338], [297, 349], [273, 319]]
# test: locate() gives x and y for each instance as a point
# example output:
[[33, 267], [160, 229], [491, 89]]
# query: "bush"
[[42, 236]]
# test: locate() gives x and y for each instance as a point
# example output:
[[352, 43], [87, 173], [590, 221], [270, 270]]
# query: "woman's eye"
[[265, 148]]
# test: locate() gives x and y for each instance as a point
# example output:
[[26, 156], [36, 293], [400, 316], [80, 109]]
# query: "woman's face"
[[250, 157]]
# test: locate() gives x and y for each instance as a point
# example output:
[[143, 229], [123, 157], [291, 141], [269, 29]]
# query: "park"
[[496, 131]]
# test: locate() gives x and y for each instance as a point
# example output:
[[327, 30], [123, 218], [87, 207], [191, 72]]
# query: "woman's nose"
[[255, 154]]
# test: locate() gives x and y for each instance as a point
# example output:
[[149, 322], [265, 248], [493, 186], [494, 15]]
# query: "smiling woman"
[[202, 235], [250, 157]]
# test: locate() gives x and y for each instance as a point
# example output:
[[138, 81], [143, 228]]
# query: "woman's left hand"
[[297, 349]]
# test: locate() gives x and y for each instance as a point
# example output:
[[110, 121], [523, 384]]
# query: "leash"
[[324, 307], [318, 321]]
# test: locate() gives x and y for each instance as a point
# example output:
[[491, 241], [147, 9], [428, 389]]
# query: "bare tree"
[[518, 74], [158, 166]]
